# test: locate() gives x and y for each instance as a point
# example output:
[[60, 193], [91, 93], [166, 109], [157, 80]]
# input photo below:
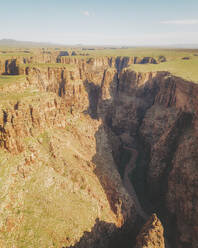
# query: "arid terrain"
[[98, 147]]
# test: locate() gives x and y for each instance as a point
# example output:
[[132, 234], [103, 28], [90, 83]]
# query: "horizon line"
[[95, 45]]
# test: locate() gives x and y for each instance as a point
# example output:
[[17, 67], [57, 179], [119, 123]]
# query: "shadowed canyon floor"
[[128, 185], [94, 151]]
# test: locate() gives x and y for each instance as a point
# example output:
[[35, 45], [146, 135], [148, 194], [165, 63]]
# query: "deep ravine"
[[54, 134], [128, 184]]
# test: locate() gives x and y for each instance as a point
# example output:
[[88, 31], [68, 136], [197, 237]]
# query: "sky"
[[101, 22]]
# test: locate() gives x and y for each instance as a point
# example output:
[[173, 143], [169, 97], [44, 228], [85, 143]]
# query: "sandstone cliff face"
[[156, 113], [9, 67], [151, 234], [18, 118], [62, 128], [57, 164], [15, 65]]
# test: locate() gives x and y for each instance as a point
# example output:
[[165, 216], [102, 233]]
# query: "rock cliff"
[[156, 114], [58, 176], [66, 131]]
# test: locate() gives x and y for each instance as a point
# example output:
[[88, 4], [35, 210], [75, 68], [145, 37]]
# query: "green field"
[[187, 69], [9, 79], [144, 52]]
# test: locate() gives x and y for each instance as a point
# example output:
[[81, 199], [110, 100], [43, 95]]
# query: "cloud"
[[181, 22], [86, 13]]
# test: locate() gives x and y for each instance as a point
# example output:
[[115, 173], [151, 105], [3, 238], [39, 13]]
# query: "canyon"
[[96, 154]]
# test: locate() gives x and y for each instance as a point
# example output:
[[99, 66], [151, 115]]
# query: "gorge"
[[97, 154]]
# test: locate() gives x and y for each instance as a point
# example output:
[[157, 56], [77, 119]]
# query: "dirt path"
[[129, 186]]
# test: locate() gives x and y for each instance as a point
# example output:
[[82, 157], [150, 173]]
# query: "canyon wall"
[[66, 129], [58, 176], [156, 114]]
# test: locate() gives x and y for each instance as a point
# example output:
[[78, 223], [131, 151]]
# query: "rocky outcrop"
[[151, 235], [9, 67], [73, 53], [63, 53], [17, 119]]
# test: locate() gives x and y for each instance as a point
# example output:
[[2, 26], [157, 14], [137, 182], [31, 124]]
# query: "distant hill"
[[187, 46], [30, 44], [16, 43]]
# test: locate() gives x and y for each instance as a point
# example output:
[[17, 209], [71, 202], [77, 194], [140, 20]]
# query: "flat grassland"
[[184, 68]]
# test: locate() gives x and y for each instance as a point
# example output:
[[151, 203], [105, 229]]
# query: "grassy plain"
[[187, 69]]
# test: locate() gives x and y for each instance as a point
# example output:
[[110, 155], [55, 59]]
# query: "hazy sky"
[[116, 22]]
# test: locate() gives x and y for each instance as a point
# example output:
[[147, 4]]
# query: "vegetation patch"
[[186, 69], [9, 79]]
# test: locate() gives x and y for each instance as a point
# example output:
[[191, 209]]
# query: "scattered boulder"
[[186, 58], [161, 59], [63, 53], [73, 53]]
